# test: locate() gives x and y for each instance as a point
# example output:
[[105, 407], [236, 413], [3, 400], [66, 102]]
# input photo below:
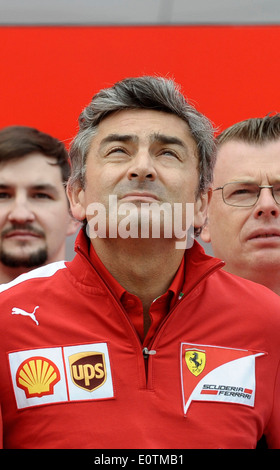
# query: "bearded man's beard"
[[31, 260], [22, 257]]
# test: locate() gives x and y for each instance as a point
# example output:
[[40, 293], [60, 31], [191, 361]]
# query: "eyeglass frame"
[[268, 186]]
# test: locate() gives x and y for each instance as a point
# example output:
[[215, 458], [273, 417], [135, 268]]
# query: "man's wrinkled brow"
[[167, 140], [118, 138], [156, 137]]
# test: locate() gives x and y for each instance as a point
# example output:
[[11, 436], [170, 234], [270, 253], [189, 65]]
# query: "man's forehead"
[[37, 158], [32, 169], [237, 159], [151, 125], [236, 146]]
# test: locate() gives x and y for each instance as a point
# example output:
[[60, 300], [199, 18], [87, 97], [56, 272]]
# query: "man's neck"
[[8, 274], [144, 268]]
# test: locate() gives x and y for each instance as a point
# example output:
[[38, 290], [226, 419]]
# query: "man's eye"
[[4, 195], [276, 188], [117, 150], [42, 196], [246, 191], [242, 191], [169, 153]]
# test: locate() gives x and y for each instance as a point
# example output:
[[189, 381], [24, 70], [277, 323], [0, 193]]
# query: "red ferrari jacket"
[[73, 373]]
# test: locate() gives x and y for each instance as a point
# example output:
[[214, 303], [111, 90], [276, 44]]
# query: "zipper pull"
[[146, 352]]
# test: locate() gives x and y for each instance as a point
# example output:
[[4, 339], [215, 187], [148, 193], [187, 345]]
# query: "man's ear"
[[201, 208], [76, 198], [205, 233], [73, 226]]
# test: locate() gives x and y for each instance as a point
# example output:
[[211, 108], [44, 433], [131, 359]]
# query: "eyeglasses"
[[243, 194]]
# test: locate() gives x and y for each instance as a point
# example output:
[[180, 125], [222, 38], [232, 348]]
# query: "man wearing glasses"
[[243, 221]]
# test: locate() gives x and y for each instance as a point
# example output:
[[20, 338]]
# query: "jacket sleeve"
[[272, 431]]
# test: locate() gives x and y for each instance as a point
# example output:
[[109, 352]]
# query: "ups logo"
[[88, 370]]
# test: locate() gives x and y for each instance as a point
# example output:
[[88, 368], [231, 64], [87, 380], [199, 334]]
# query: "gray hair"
[[146, 92]]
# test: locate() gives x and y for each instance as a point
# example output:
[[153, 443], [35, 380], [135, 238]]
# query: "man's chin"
[[30, 260]]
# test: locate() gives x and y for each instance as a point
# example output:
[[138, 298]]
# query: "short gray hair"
[[146, 92]]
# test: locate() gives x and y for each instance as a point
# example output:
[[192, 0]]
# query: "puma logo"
[[19, 311]]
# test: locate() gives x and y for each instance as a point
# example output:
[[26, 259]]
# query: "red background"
[[48, 74]]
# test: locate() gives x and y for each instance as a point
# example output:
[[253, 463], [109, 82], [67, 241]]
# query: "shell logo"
[[37, 376]]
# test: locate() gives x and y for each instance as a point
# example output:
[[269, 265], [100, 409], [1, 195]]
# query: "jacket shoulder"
[[46, 271], [246, 292]]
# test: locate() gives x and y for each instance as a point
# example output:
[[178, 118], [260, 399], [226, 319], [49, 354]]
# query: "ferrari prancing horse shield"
[[195, 360]]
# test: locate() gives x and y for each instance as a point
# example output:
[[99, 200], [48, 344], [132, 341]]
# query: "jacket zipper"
[[150, 351]]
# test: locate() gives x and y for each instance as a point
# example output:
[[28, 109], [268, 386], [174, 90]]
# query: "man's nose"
[[142, 167], [266, 205], [21, 211]]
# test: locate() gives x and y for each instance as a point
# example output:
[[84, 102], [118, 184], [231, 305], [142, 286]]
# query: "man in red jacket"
[[34, 210], [244, 214], [138, 342]]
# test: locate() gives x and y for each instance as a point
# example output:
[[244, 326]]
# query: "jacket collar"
[[198, 265]]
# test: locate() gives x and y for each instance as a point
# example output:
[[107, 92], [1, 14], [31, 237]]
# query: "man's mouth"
[[21, 233], [267, 235], [140, 196], [264, 234]]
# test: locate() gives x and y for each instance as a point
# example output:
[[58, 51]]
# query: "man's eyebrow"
[[168, 139], [157, 137], [44, 187], [36, 187], [118, 138]]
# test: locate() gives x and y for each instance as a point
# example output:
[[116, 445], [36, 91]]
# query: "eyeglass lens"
[[246, 194]]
